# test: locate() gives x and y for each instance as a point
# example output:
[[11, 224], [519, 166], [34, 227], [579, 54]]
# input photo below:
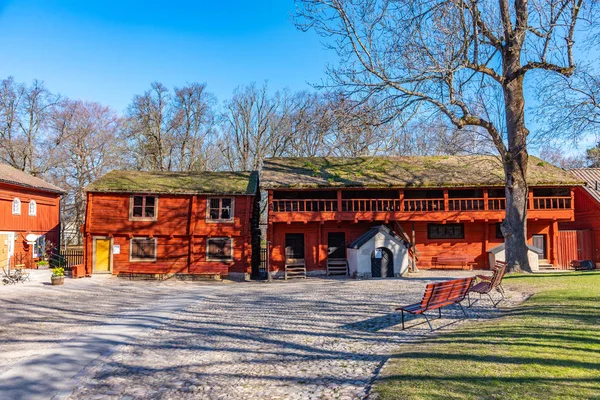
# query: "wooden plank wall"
[[181, 231], [476, 241]]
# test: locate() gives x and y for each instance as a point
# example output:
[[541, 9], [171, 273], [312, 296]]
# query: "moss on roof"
[[416, 171], [176, 182]]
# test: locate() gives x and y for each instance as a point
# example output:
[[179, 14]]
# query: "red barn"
[[321, 211], [166, 223], [28, 206], [580, 238]]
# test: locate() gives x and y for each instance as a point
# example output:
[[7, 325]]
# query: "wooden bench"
[[438, 295], [464, 260], [487, 283]]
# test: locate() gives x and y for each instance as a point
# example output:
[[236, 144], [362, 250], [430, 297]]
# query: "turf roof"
[[243, 183], [415, 171]]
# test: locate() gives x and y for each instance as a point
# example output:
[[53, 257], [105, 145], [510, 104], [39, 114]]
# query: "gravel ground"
[[319, 338]]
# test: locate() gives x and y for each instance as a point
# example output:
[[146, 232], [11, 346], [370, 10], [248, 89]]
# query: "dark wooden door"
[[539, 242], [382, 263], [294, 246], [336, 245]]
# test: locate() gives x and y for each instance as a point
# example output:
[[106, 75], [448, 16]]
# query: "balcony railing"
[[414, 205]]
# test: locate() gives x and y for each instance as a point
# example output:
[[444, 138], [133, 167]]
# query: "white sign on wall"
[[378, 253], [117, 249]]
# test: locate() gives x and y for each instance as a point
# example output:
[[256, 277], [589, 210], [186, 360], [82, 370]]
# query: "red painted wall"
[[45, 222], [181, 231]]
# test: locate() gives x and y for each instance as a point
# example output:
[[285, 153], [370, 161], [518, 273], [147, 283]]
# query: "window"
[[142, 249], [39, 248], [32, 208], [16, 206], [219, 249], [143, 208], [220, 209], [445, 231]]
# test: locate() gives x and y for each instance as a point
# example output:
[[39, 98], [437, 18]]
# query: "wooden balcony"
[[450, 209]]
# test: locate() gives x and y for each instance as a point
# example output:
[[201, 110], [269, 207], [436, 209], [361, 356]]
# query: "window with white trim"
[[143, 208], [16, 206], [219, 249], [32, 208], [220, 209], [142, 249]]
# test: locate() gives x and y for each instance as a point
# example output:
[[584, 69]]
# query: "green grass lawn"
[[547, 348]]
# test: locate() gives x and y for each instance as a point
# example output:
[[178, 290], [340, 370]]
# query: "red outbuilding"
[[29, 217]]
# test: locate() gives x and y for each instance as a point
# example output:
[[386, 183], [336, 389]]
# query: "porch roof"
[[403, 172]]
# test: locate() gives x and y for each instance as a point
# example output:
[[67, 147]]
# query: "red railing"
[[551, 203], [359, 205], [497, 203], [309, 205], [466, 204], [413, 205]]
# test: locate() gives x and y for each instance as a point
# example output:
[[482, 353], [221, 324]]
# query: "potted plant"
[[42, 264], [58, 276]]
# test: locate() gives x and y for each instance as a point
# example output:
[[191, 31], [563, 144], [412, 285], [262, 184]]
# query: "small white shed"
[[499, 253], [378, 253]]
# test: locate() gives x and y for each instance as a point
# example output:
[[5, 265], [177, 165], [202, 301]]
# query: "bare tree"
[[24, 115], [453, 57], [171, 131], [252, 128], [88, 149]]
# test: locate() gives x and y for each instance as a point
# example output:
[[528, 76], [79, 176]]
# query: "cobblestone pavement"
[[36, 316], [313, 339]]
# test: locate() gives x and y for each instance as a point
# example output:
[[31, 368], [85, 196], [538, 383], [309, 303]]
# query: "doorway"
[[6, 249], [294, 246], [539, 242], [102, 255], [336, 245], [382, 263]]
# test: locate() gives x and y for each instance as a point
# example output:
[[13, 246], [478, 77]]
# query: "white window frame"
[[132, 259], [16, 206], [231, 241], [32, 208], [220, 220], [132, 218]]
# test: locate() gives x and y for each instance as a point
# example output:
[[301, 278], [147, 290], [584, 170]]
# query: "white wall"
[[359, 260]]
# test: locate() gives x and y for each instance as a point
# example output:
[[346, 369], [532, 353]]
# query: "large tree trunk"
[[514, 226]]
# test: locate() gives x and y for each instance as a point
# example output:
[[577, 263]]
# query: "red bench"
[[489, 283], [464, 260], [438, 295]]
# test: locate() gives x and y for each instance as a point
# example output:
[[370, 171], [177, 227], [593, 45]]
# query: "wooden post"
[[486, 238], [572, 199], [445, 199], [530, 199], [485, 200], [401, 200], [339, 201], [414, 249], [554, 242], [190, 230]]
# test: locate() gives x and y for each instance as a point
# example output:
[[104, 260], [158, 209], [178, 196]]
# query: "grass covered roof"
[[243, 183], [408, 171]]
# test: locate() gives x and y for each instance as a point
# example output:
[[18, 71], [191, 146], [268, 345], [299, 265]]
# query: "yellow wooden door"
[[102, 262], [4, 247]]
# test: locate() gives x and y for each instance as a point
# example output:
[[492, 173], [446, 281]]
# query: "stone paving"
[[313, 339]]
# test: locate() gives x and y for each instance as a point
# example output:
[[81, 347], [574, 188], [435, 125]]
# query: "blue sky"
[[108, 50]]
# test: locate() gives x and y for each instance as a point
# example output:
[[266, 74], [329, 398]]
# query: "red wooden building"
[[580, 238], [28, 206], [450, 207], [164, 223]]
